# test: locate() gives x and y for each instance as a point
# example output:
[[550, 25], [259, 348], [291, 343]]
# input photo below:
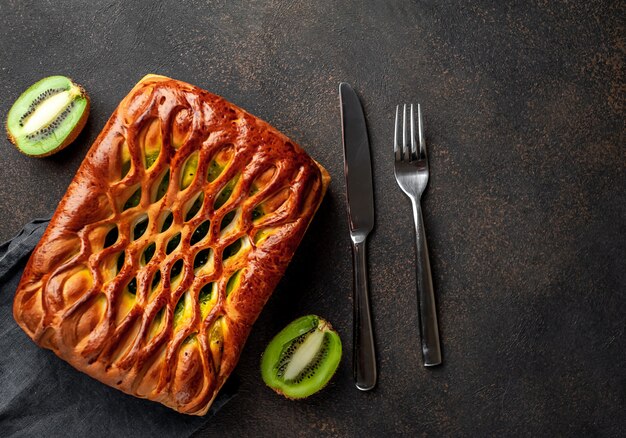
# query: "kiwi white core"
[[304, 354], [49, 110]]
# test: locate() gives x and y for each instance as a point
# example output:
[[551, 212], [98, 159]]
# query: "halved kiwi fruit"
[[302, 358], [48, 116]]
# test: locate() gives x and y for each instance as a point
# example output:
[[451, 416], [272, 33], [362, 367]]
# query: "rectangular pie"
[[169, 240]]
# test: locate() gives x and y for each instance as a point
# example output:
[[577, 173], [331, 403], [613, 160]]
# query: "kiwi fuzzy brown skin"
[[70, 137], [311, 370]]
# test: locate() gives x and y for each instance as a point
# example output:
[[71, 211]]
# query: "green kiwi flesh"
[[302, 358], [48, 116]]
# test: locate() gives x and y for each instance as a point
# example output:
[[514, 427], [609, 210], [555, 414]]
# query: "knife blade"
[[360, 195]]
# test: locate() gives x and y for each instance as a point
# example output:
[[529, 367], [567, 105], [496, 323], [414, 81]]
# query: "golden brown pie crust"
[[144, 322]]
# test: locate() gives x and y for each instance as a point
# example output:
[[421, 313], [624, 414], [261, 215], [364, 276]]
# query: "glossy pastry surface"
[[171, 237]]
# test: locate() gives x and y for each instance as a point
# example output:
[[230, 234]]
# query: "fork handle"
[[364, 359], [431, 348]]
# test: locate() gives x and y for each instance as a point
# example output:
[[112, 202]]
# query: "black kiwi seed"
[[302, 358]]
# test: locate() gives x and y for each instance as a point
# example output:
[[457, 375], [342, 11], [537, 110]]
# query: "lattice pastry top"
[[170, 239]]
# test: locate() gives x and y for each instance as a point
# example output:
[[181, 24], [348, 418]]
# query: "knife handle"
[[364, 359]]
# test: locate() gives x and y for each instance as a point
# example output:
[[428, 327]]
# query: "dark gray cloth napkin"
[[41, 395]]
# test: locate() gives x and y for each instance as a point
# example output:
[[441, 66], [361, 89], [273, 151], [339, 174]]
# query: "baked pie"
[[171, 237]]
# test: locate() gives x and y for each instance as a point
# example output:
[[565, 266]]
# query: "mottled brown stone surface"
[[525, 114]]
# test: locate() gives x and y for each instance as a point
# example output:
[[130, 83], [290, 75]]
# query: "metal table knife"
[[358, 171]]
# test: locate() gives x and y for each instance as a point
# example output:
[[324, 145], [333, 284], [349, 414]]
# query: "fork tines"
[[408, 151]]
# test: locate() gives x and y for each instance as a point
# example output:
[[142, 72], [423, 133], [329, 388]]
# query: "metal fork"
[[411, 170]]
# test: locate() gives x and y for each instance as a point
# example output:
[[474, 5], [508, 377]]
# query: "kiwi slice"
[[302, 358], [48, 116]]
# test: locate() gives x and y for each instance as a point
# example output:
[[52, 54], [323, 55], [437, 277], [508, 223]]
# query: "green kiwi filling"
[[179, 310], [227, 219], [257, 212], [163, 185], [148, 253], [140, 227], [232, 249], [151, 142], [195, 207], [173, 244], [176, 269], [232, 282], [120, 261], [156, 280], [167, 222], [132, 286], [200, 232], [111, 237], [134, 200], [125, 168], [214, 171], [189, 171], [150, 159], [206, 293], [201, 258], [225, 193], [189, 339]]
